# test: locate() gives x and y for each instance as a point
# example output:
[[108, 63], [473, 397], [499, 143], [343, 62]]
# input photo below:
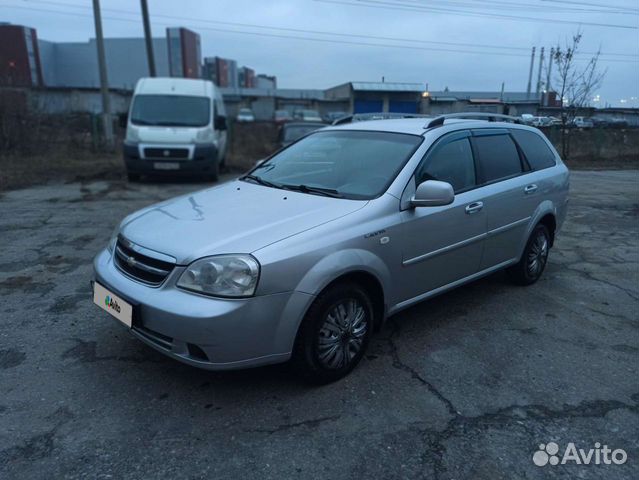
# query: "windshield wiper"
[[259, 180], [327, 192]]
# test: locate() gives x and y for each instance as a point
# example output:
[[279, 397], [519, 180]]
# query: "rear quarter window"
[[498, 156], [535, 149]]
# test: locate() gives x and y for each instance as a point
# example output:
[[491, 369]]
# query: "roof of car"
[[414, 126]]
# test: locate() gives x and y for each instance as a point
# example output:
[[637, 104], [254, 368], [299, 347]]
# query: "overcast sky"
[[459, 44]]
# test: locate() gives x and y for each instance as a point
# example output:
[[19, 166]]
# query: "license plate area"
[[113, 304], [166, 165]]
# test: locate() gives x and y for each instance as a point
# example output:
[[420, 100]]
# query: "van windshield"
[[171, 110]]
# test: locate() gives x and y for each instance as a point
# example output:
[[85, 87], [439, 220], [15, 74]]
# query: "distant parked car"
[[307, 116], [330, 117], [540, 121], [600, 122], [582, 122], [245, 115], [281, 116], [554, 121], [527, 118], [293, 131], [618, 123]]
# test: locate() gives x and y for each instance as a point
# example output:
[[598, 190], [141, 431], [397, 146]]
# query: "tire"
[[133, 177], [214, 174], [534, 259], [334, 334]]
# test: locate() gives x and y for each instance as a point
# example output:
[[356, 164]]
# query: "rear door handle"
[[528, 189], [474, 207]]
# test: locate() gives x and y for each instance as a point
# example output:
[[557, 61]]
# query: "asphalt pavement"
[[467, 385]]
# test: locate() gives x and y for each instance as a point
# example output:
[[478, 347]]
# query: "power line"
[[312, 39], [319, 32], [519, 7], [407, 7], [630, 10]]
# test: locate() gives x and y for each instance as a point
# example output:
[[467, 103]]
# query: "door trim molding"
[[449, 286], [463, 243]]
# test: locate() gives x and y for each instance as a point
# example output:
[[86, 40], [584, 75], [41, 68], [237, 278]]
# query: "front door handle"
[[474, 207], [528, 189]]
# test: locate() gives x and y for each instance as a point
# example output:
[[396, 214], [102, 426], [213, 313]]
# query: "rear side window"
[[498, 156], [536, 150], [452, 163]]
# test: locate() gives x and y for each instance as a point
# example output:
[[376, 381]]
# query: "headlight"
[[222, 276], [113, 239], [204, 136], [132, 134]]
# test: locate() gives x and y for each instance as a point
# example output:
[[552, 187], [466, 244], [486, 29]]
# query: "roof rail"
[[360, 117], [491, 117]]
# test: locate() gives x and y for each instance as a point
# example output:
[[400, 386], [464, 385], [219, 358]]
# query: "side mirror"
[[433, 193], [220, 123], [123, 120]]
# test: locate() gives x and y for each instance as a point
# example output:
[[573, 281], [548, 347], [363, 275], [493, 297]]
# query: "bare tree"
[[576, 84]]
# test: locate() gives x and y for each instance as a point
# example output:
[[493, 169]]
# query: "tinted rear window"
[[535, 149], [498, 156]]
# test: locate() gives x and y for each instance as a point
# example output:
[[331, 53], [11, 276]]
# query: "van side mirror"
[[220, 123], [123, 120], [433, 193]]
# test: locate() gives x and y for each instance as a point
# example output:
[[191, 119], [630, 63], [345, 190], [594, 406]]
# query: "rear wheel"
[[534, 259], [334, 334]]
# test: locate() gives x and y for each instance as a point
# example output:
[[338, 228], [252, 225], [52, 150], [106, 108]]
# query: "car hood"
[[237, 217]]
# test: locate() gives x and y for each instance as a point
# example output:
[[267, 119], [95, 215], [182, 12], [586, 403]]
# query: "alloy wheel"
[[537, 255], [342, 334]]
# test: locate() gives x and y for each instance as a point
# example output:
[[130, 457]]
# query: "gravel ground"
[[467, 385]]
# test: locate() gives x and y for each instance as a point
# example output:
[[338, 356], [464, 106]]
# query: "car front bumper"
[[204, 160], [207, 332]]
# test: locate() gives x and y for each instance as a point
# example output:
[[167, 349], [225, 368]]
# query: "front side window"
[[171, 110], [451, 162], [498, 157], [351, 164], [535, 149]]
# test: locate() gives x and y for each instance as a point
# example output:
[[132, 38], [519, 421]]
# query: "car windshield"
[[293, 132], [246, 111], [350, 164], [171, 110]]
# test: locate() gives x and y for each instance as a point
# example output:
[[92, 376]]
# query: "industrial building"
[[509, 103], [369, 97], [19, 56]]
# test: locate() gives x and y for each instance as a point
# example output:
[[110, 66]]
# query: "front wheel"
[[533, 260], [334, 334]]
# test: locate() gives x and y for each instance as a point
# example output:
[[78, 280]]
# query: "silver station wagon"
[[305, 256]]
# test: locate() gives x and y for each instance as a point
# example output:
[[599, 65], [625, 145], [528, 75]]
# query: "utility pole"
[[148, 38], [532, 64], [541, 65], [104, 81]]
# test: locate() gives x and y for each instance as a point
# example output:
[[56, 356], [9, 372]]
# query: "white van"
[[175, 126]]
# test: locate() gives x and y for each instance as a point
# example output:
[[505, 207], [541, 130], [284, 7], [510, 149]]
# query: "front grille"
[[174, 153], [139, 266]]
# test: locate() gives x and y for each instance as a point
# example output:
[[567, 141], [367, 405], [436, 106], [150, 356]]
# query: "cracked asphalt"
[[466, 385]]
